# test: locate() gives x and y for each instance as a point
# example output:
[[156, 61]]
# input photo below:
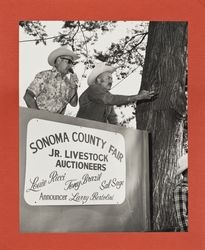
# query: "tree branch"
[[86, 47], [133, 37], [124, 78], [33, 40], [137, 43]]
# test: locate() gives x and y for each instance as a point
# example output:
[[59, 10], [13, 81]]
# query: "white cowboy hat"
[[62, 51], [99, 69], [183, 164]]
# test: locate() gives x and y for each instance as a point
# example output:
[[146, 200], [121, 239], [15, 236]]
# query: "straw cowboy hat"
[[62, 51], [99, 69], [183, 164]]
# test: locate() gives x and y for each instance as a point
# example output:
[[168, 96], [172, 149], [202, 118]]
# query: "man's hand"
[[146, 95], [73, 80]]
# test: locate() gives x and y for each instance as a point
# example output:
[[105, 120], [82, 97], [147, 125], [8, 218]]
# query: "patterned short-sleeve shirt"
[[52, 92]]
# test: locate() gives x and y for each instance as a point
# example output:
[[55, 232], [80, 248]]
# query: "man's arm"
[[29, 98], [63, 111], [99, 95], [74, 98], [74, 88], [35, 89]]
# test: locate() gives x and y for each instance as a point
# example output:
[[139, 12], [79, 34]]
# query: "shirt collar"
[[56, 73]]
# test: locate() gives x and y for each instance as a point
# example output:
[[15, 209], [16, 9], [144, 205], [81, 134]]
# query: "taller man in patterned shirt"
[[52, 90], [181, 195]]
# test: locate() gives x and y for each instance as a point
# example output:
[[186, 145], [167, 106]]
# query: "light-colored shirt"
[[52, 92]]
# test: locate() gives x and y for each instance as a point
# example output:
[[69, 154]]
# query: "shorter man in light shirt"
[[52, 90]]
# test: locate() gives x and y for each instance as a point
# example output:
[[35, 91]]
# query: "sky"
[[33, 59]]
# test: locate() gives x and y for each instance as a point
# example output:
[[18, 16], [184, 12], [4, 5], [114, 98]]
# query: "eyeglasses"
[[69, 61]]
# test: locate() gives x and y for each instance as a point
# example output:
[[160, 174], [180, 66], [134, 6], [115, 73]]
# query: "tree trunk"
[[165, 73]]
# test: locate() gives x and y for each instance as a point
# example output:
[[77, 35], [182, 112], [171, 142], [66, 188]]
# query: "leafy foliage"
[[81, 36], [35, 29]]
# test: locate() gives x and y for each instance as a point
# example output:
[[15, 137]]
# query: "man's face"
[[105, 80], [64, 64]]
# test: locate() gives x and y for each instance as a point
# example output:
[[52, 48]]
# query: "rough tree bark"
[[165, 72]]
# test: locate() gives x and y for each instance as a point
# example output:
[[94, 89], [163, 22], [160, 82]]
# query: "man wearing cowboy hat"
[[96, 102], [51, 90], [181, 194]]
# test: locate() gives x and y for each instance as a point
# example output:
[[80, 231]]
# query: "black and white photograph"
[[103, 126]]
